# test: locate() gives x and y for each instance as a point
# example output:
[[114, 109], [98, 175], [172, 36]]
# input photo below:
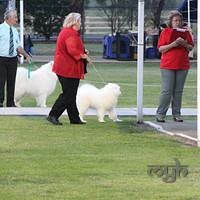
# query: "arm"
[[167, 47], [71, 44], [176, 43], [85, 56], [163, 43], [21, 51], [184, 43], [73, 47]]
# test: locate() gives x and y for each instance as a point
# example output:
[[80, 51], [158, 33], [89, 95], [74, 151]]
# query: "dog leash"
[[29, 66], [95, 69]]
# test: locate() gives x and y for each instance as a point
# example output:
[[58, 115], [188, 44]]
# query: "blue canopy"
[[183, 8]]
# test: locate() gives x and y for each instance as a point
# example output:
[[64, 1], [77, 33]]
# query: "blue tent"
[[183, 8]]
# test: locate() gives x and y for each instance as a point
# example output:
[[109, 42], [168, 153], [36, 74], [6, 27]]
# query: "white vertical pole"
[[189, 24], [140, 61], [198, 77], [22, 27]]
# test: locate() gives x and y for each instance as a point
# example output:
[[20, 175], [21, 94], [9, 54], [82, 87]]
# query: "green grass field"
[[95, 49], [125, 74], [97, 161]]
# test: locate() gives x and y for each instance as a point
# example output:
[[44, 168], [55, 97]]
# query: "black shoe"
[[53, 120], [177, 119], [78, 122], [1, 104], [160, 119]]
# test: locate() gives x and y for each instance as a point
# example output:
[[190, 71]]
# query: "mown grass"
[[125, 74], [95, 49], [97, 161], [44, 48]]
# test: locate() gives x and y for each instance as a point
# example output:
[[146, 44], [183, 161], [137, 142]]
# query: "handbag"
[[85, 64]]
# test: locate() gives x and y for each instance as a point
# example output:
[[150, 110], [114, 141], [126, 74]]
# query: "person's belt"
[[3, 57]]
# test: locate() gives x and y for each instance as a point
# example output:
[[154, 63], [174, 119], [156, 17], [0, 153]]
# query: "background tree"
[[46, 16], [124, 12], [154, 10], [119, 13], [78, 6], [3, 6]]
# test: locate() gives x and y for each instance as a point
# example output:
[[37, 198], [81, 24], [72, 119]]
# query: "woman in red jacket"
[[69, 67], [174, 43]]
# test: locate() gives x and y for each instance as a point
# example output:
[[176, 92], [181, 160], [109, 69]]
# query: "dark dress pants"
[[67, 100], [8, 69]]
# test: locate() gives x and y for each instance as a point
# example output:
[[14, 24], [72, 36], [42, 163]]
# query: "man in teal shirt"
[[9, 46]]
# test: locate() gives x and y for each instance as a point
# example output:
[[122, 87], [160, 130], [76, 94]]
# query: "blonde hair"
[[172, 15], [71, 19]]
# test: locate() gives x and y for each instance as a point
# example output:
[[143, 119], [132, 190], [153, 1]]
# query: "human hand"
[[89, 61], [85, 56], [86, 51], [28, 58], [180, 41], [174, 44]]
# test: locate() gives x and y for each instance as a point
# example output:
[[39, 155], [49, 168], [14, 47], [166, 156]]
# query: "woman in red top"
[[174, 43], [69, 67]]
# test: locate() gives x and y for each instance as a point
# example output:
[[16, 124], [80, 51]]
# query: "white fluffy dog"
[[40, 85], [103, 100]]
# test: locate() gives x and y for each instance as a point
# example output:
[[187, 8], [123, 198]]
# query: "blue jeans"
[[172, 89]]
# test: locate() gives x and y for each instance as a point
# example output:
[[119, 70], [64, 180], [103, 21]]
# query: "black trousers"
[[8, 69], [67, 99]]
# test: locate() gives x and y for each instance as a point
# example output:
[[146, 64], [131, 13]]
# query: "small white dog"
[[103, 100], [40, 85]]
